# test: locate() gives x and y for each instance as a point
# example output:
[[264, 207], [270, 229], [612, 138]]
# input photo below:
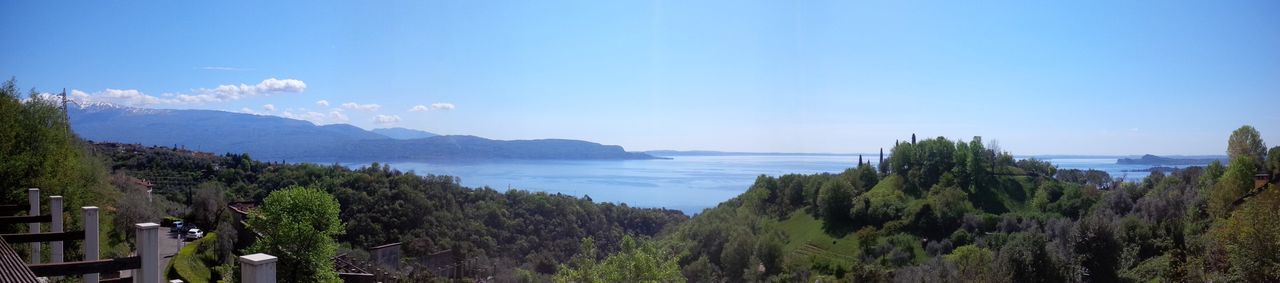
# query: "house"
[[387, 256], [241, 213]]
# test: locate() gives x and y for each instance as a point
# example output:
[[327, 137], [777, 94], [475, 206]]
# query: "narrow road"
[[169, 243], [169, 246]]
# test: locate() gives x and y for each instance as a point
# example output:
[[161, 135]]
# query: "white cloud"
[[269, 107], [77, 95], [434, 106], [337, 116], [221, 93], [314, 117], [127, 96], [386, 119], [442, 106], [43, 96], [246, 110], [271, 85], [323, 103], [361, 107], [237, 92]]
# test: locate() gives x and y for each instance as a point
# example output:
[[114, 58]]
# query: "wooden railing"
[[255, 268], [146, 264]]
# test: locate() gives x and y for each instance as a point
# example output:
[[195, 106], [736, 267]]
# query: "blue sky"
[[1040, 77]]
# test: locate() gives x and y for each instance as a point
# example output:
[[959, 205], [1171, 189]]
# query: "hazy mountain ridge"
[[471, 147], [276, 138], [403, 133]]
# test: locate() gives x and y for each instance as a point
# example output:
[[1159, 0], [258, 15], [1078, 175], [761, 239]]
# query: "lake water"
[[686, 183]]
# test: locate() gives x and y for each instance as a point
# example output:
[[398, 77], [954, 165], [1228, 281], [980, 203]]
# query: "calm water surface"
[[686, 183]]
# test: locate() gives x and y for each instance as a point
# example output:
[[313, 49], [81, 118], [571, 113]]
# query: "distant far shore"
[[741, 153]]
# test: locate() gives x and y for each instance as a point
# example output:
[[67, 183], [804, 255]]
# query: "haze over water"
[[686, 183]]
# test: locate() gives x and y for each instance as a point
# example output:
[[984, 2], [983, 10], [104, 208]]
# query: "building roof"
[[385, 246], [12, 269], [243, 207]]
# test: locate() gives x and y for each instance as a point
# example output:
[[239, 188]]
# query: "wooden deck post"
[[55, 209], [149, 250], [90, 239], [33, 200], [258, 268]]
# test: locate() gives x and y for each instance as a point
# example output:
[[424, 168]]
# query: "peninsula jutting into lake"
[[1157, 160]]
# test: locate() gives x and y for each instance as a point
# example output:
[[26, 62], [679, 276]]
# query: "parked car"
[[177, 227], [194, 233]]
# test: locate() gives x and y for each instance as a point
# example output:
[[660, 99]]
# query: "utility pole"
[[65, 116]]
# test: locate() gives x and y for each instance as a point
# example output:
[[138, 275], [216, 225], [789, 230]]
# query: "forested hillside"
[[955, 211], [508, 230]]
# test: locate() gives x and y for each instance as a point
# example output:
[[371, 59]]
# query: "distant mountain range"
[[403, 133], [1157, 160], [277, 138]]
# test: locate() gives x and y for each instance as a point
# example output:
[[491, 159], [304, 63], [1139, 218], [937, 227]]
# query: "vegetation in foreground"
[[193, 261]]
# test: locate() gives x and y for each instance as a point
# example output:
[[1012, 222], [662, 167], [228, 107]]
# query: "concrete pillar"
[[90, 239], [258, 268], [55, 209], [149, 250], [33, 200]]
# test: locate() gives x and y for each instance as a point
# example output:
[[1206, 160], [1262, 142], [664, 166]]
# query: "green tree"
[[208, 204], [131, 209], [1246, 142], [635, 262], [1252, 239], [38, 150], [834, 201], [1024, 259], [879, 205], [701, 270], [1235, 183], [1211, 174], [945, 208], [226, 242], [862, 177], [867, 176], [1096, 242], [972, 264], [298, 225], [735, 257], [769, 252], [1273, 161], [583, 265]]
